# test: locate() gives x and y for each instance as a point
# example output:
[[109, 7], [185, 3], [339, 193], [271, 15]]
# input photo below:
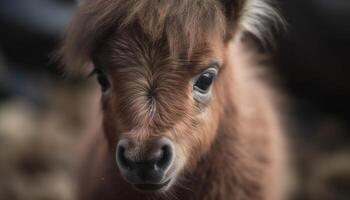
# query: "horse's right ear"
[[231, 10], [259, 18]]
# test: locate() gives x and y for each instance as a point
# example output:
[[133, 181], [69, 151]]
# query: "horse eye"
[[204, 81], [102, 80]]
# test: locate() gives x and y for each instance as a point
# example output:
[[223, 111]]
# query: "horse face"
[[160, 111]]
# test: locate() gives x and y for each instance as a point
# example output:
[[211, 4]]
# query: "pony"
[[185, 110]]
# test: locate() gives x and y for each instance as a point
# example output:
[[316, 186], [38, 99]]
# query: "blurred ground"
[[43, 114], [38, 139]]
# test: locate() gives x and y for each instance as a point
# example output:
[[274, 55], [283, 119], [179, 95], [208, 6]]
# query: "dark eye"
[[204, 81], [102, 79]]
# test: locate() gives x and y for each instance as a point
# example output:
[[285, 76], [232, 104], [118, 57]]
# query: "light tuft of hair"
[[260, 18]]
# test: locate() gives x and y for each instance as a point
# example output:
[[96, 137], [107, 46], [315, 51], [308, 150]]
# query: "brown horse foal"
[[185, 114]]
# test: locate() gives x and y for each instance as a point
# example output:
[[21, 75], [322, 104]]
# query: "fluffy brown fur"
[[228, 147]]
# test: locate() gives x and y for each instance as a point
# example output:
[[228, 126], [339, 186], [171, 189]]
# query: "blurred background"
[[43, 113]]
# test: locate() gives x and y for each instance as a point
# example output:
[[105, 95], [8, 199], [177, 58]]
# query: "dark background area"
[[312, 62], [314, 57]]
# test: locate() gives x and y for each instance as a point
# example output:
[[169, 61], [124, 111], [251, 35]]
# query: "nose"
[[145, 164]]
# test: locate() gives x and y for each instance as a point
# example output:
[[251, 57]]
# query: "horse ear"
[[231, 10], [258, 18]]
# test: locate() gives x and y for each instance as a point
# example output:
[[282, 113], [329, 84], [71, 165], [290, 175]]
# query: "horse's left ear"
[[259, 18]]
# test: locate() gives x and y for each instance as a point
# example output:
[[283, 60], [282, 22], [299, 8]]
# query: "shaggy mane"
[[183, 23]]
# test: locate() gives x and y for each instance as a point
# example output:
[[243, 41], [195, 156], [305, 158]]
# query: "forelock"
[[184, 23]]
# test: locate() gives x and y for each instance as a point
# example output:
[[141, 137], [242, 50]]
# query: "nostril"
[[122, 161], [166, 157]]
